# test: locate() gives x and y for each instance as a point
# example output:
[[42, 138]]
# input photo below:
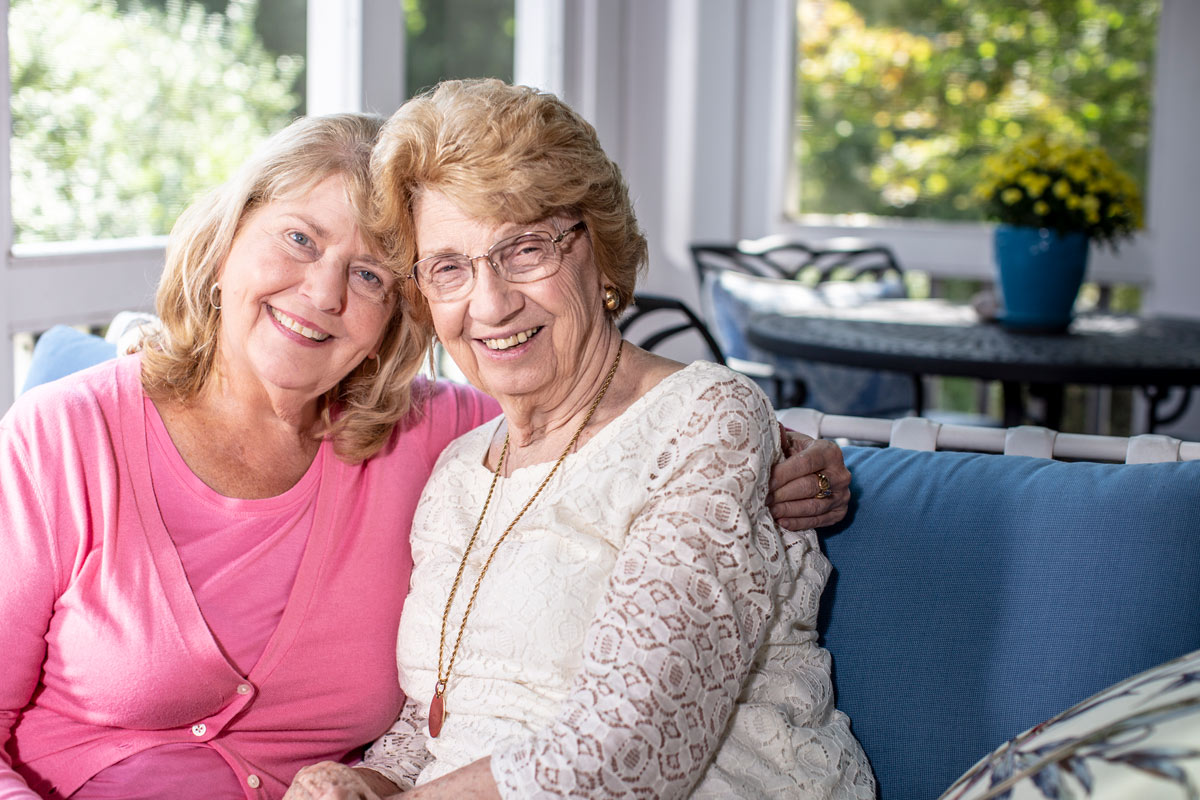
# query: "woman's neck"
[[246, 398], [240, 447], [639, 372], [538, 428]]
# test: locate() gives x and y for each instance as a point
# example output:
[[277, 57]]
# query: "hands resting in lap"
[[329, 780]]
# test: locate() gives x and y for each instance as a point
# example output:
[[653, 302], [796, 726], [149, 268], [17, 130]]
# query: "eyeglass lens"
[[523, 258]]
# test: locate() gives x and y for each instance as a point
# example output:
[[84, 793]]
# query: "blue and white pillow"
[[1138, 739]]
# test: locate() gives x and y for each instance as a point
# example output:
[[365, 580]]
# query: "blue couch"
[[976, 595]]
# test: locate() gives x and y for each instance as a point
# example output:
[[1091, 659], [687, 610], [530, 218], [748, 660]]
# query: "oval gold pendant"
[[437, 712]]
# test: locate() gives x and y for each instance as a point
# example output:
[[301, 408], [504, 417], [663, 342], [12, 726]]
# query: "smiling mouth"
[[511, 341], [296, 327]]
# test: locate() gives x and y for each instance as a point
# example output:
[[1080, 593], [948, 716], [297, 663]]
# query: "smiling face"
[[303, 299], [525, 342]]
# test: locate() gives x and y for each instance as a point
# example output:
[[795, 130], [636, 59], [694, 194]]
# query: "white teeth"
[[293, 325], [511, 341]]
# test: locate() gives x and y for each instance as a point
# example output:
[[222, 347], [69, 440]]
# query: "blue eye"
[[300, 238], [368, 276]]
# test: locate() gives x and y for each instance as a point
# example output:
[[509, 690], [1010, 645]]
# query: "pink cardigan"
[[103, 651]]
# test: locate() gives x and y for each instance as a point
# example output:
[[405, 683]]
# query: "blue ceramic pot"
[[1040, 272]]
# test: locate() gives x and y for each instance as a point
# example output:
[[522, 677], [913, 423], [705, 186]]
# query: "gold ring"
[[823, 488]]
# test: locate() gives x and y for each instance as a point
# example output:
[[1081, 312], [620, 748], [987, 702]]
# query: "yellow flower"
[[1043, 181], [1034, 183]]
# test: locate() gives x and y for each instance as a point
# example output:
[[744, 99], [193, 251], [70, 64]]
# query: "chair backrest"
[[671, 318], [813, 263], [775, 275]]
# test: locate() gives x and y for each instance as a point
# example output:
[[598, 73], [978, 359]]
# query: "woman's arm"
[[400, 754], [794, 482], [28, 580]]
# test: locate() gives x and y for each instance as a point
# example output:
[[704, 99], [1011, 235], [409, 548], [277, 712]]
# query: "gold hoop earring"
[[612, 298], [212, 299]]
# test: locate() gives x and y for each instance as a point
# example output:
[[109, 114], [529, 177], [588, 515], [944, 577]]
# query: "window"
[[457, 39], [897, 101], [122, 112]]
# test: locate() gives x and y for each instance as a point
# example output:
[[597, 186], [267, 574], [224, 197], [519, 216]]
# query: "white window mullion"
[[7, 305], [539, 44], [355, 56]]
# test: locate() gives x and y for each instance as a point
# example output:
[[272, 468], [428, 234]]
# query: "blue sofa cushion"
[[976, 595], [63, 350]]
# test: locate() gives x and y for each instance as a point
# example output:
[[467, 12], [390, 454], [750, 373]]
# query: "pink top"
[[240, 557], [107, 647]]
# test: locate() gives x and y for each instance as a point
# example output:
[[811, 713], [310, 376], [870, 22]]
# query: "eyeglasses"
[[524, 258]]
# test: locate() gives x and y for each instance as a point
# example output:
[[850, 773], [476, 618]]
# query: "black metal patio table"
[[931, 337]]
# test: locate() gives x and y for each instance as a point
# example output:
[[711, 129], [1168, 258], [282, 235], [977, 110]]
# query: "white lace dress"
[[645, 631]]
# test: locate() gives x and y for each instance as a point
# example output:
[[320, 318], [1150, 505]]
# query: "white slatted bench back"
[[918, 433]]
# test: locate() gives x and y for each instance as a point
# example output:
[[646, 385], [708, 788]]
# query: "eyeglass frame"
[[555, 241]]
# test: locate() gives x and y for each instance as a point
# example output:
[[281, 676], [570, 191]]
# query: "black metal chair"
[[776, 274], [672, 318], [644, 305], [777, 257]]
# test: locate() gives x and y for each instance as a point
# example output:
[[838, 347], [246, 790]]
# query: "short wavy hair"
[[505, 154], [359, 413]]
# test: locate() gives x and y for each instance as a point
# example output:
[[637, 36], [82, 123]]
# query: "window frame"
[[356, 63], [942, 249]]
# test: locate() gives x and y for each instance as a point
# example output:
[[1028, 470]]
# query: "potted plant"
[[1052, 199]]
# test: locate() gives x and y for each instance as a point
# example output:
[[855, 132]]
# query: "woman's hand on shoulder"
[[796, 483], [329, 780]]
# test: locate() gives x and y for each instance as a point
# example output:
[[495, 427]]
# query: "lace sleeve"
[[683, 614], [400, 754]]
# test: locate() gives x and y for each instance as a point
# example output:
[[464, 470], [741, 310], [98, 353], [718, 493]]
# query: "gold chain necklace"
[[437, 706]]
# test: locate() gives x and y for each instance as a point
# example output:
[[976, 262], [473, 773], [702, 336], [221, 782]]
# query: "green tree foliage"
[[121, 117], [899, 100], [457, 39]]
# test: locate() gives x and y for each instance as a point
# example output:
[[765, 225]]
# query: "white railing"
[[918, 433]]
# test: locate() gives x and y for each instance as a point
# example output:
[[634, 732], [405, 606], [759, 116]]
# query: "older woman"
[[601, 604], [205, 546]]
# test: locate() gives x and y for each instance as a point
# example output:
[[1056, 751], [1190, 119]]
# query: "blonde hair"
[[359, 413], [504, 154]]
